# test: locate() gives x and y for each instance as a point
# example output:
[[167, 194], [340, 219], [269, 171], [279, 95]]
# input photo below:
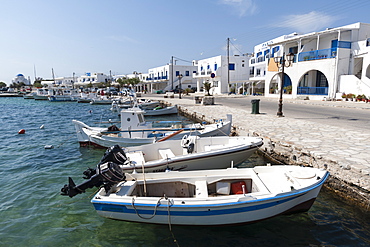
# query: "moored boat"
[[136, 131], [41, 94], [189, 153], [204, 198], [161, 111]]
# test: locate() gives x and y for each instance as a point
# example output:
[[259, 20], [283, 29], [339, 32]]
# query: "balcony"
[[317, 55]]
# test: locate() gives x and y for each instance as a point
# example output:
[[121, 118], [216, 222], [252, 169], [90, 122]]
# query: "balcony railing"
[[313, 90], [318, 54]]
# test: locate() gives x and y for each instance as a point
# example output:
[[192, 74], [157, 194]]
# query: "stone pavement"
[[344, 152]]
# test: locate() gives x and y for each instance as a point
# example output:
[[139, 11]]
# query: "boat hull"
[[203, 157], [227, 210], [164, 111]]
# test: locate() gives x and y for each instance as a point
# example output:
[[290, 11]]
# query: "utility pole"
[[228, 64], [172, 73]]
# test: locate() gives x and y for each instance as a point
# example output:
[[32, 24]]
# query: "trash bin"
[[255, 106]]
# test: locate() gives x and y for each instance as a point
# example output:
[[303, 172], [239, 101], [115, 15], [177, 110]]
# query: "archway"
[[276, 82], [368, 72], [314, 82]]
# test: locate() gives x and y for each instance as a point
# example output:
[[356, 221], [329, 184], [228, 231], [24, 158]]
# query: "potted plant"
[[350, 96]]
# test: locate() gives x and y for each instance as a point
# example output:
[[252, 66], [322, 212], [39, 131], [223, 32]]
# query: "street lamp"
[[282, 62], [179, 76]]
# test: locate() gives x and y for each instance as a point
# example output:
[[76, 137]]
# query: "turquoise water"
[[32, 213]]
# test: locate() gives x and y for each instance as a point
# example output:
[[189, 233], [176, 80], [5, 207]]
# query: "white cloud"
[[310, 22], [242, 7]]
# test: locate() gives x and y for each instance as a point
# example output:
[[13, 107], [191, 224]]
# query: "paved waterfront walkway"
[[345, 152]]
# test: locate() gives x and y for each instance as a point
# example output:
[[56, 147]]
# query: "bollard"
[[255, 106]]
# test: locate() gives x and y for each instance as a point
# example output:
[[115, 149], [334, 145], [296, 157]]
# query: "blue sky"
[[122, 36]]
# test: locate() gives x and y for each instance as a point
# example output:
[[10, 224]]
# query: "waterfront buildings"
[[92, 79], [326, 64], [170, 77], [223, 78]]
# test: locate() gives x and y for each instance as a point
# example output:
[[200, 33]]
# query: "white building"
[[20, 78], [92, 79], [259, 61], [166, 78], [140, 87], [326, 64], [221, 77]]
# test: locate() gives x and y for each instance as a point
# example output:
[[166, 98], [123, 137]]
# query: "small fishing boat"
[[189, 153], [136, 131], [29, 95], [145, 104], [85, 97], [101, 100], [161, 111], [63, 94], [41, 94], [202, 198]]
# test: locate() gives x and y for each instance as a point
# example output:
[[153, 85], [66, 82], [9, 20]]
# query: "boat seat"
[[201, 190], [136, 157], [127, 188], [166, 153]]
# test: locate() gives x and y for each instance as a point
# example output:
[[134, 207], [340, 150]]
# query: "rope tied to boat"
[[155, 207]]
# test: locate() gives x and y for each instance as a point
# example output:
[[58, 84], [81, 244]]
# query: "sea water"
[[33, 213]]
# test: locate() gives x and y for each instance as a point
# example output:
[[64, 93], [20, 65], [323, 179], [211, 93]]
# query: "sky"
[[123, 36]]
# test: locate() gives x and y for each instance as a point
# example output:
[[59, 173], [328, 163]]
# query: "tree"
[[207, 87], [2, 84], [17, 85], [37, 84]]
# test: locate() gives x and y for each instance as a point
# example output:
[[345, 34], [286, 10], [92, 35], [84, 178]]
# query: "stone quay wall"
[[343, 152]]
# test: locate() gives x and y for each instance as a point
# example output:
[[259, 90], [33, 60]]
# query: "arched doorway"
[[276, 82], [368, 72], [313, 82]]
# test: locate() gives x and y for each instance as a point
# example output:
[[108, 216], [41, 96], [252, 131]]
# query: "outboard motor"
[[114, 154], [107, 173]]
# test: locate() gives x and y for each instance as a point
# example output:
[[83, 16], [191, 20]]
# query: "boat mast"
[[52, 72]]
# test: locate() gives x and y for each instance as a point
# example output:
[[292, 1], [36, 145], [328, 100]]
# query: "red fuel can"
[[237, 187]]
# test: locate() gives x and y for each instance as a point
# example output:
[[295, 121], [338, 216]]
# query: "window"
[[208, 67], [177, 73], [258, 71], [215, 66], [187, 73], [293, 50], [215, 83], [231, 66]]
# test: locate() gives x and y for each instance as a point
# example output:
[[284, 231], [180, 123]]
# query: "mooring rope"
[[155, 209]]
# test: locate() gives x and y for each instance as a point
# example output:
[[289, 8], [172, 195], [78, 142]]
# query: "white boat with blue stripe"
[[211, 197]]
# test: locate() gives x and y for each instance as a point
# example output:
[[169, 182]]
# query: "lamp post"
[[282, 62], [179, 76]]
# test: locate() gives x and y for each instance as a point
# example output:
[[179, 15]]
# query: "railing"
[[313, 90], [318, 54]]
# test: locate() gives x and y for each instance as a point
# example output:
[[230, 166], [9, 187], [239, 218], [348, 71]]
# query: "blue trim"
[[208, 209]]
